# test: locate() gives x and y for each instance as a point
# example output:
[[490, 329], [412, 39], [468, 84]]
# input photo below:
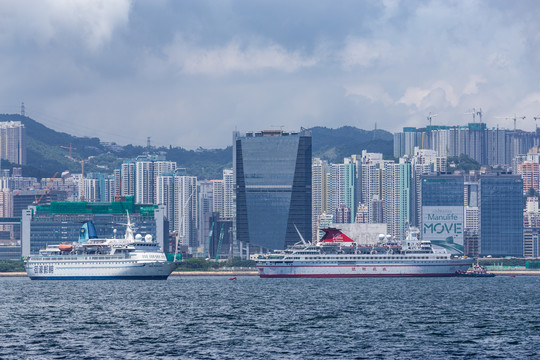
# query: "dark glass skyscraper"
[[501, 215], [273, 187]]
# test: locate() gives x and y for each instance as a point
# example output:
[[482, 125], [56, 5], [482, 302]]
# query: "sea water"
[[252, 318]]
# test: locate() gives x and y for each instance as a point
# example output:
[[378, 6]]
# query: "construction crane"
[[46, 188], [430, 117], [474, 113], [69, 148], [522, 118], [514, 118], [479, 113]]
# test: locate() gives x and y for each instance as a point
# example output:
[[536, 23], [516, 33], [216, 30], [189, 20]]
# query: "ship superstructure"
[[130, 257], [337, 255]]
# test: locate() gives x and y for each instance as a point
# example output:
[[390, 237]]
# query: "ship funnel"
[[88, 231]]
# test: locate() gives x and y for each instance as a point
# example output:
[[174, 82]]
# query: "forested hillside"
[[48, 150]]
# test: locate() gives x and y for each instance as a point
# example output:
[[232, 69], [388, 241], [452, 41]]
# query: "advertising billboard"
[[443, 226]]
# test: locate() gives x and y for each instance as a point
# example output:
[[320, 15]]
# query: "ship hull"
[[376, 269], [50, 270], [98, 277]]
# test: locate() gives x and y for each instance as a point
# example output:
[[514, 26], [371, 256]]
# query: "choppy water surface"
[[214, 318]]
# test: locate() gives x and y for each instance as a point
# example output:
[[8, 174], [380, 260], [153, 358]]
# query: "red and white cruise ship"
[[337, 255]]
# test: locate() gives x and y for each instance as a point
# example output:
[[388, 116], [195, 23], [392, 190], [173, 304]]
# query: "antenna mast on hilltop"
[[23, 112]]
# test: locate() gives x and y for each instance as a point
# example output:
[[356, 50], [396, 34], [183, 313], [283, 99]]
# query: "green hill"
[[47, 150], [335, 144]]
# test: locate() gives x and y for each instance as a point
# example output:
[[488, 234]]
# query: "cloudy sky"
[[188, 73]]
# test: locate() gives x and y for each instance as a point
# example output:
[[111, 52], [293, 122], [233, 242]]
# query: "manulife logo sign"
[[443, 225]]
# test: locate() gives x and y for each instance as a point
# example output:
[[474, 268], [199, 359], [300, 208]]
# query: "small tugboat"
[[477, 271]]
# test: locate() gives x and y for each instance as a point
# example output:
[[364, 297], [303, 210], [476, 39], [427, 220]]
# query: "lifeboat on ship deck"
[[65, 247]]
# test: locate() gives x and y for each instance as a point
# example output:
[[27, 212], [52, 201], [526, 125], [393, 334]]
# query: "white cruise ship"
[[130, 257], [337, 255]]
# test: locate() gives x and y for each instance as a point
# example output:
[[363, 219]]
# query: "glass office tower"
[[501, 215], [273, 187]]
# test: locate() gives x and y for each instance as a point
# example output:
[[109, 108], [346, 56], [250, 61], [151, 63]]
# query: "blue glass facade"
[[501, 215], [273, 187], [442, 190]]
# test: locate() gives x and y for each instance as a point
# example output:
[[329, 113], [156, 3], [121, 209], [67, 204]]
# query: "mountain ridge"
[[48, 150]]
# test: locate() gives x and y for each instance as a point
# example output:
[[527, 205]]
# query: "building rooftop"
[[85, 207]]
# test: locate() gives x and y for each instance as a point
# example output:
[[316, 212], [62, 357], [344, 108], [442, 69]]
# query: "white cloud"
[[414, 96], [361, 52], [90, 21], [374, 93], [472, 85], [235, 56]]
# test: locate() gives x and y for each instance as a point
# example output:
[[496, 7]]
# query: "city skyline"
[[124, 70]]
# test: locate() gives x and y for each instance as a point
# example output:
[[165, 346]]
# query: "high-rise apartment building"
[[362, 214], [185, 210], [218, 197], [349, 186], [13, 142], [165, 197], [147, 170], [6, 207], [273, 187], [319, 192], [223, 195], [228, 194], [90, 190], [396, 185], [342, 214], [530, 173], [370, 172], [531, 228], [108, 189], [127, 173], [423, 162], [487, 146], [337, 186], [144, 181]]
